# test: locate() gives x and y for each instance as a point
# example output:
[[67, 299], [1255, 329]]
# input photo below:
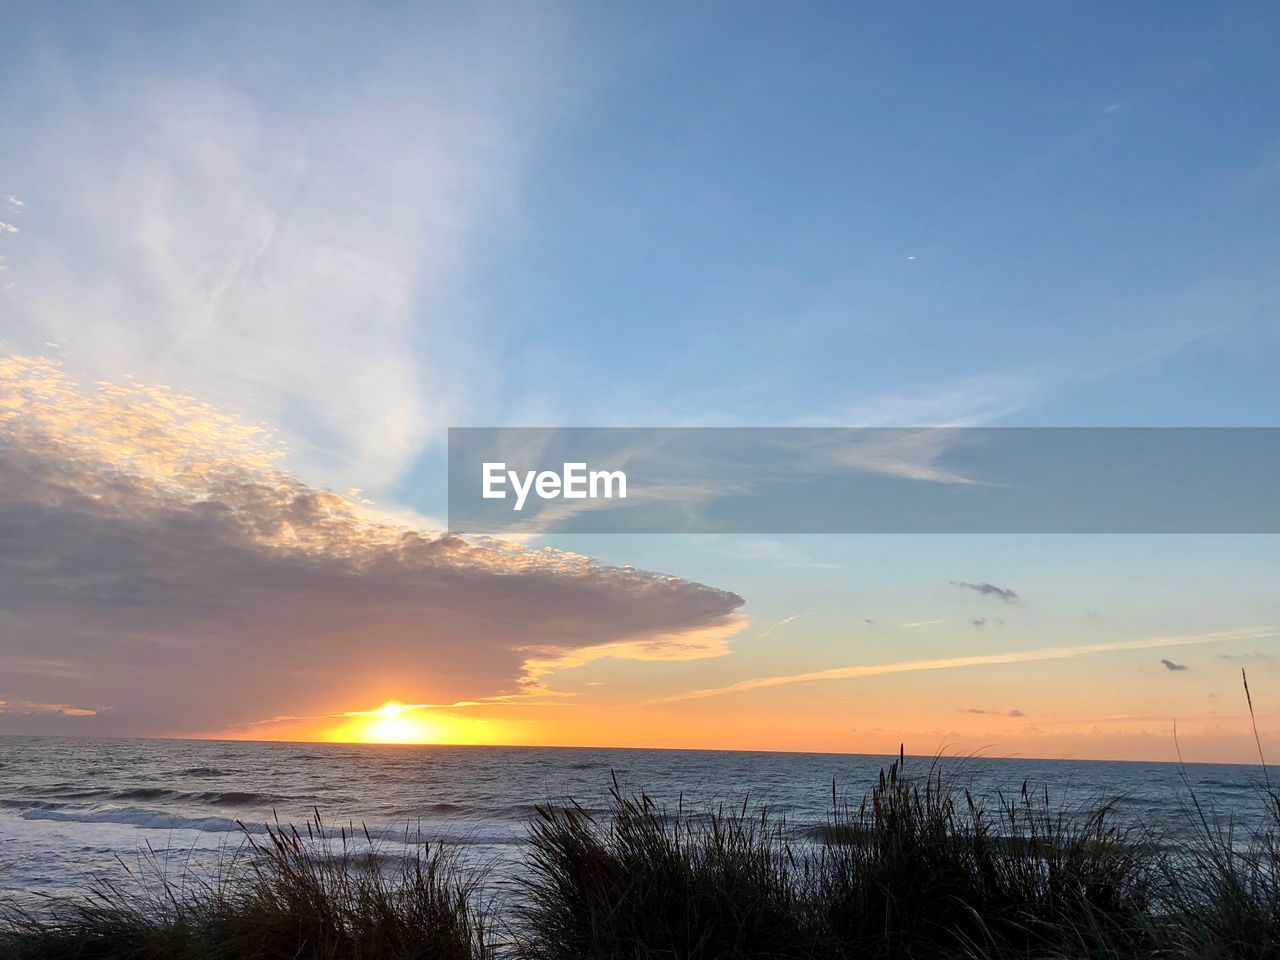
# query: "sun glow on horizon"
[[394, 722], [410, 723]]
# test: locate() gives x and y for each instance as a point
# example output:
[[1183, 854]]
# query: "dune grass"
[[290, 894], [643, 882], [919, 869], [926, 869]]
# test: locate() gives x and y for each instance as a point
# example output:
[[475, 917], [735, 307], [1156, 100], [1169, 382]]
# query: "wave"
[[238, 798], [62, 792], [150, 819], [10, 803], [141, 817], [188, 803], [144, 793], [217, 798]]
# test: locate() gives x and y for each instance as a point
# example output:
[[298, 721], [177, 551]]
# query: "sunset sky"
[[254, 262]]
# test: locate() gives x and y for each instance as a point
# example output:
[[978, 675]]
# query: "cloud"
[[1016, 714], [749, 548], [965, 402], [979, 621], [292, 245], [781, 623], [691, 643], [23, 708], [978, 660], [7, 227], [38, 666], [911, 454], [920, 623], [1170, 665], [988, 590], [154, 560]]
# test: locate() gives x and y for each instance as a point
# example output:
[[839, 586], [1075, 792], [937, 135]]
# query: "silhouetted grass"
[[919, 869], [1223, 891], [926, 869], [292, 896], [645, 883]]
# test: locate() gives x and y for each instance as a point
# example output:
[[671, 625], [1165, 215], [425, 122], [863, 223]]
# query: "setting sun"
[[396, 723], [393, 722], [408, 723]]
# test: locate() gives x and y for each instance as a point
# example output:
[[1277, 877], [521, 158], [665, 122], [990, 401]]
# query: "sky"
[[255, 261]]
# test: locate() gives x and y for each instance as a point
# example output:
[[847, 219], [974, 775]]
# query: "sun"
[[414, 723], [394, 722]]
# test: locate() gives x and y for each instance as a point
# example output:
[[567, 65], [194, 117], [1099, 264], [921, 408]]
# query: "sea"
[[74, 810]]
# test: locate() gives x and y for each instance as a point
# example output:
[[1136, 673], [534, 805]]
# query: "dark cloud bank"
[[156, 569]]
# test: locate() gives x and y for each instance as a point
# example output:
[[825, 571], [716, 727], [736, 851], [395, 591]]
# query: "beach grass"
[[643, 881], [918, 868], [292, 894]]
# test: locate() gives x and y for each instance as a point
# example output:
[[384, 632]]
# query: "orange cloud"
[[708, 641]]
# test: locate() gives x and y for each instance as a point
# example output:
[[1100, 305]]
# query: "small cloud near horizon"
[[25, 708], [989, 590], [1016, 714]]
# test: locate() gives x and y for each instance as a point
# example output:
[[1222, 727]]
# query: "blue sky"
[[732, 208], [359, 227], [1086, 197]]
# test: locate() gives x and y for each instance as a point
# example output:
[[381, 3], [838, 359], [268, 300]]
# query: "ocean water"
[[74, 808]]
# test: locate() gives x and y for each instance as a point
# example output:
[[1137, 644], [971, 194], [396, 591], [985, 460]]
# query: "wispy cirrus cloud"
[[977, 660], [906, 454], [959, 402], [294, 246]]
